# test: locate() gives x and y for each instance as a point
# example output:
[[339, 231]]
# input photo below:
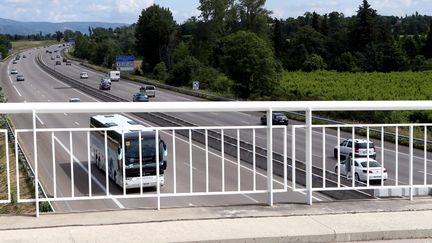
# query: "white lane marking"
[[76, 123], [249, 197], [41, 122], [85, 169], [187, 164], [10, 79], [420, 171], [245, 122], [249, 115], [260, 137], [17, 90]]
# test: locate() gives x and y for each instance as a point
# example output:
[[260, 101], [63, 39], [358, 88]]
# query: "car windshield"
[[364, 145], [280, 117], [371, 164]]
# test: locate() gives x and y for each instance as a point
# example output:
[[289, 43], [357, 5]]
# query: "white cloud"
[[132, 6]]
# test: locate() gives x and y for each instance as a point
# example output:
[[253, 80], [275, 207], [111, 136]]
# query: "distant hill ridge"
[[13, 27]]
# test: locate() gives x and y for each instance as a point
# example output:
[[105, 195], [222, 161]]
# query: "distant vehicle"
[[125, 148], [24, 56], [17, 57], [73, 100], [278, 119], [105, 86], [57, 63], [106, 80], [68, 63], [20, 77], [64, 59], [14, 71], [360, 149], [52, 58], [14, 62], [114, 75], [150, 90], [376, 171], [58, 56], [140, 97], [55, 50], [47, 51], [84, 75]]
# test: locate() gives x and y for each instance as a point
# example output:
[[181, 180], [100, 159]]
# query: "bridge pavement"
[[321, 222]]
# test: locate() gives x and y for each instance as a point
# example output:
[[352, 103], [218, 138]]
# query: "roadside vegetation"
[[26, 190]]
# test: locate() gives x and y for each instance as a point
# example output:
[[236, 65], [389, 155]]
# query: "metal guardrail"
[[360, 127], [215, 141]]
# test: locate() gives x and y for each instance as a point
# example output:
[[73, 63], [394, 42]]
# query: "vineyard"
[[331, 85]]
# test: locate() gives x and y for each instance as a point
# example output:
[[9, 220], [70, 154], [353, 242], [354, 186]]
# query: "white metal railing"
[[327, 179]]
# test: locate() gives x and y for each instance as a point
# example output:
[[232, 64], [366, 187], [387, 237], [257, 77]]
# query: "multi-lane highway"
[[126, 88], [41, 87]]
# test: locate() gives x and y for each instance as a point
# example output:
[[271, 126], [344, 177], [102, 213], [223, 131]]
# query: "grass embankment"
[[19, 46], [26, 190]]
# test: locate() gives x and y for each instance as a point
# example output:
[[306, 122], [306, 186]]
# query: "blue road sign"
[[125, 63]]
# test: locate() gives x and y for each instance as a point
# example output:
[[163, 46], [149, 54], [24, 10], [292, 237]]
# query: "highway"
[[41, 87], [126, 88]]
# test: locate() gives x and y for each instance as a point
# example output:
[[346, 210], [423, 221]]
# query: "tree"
[[250, 62], [160, 72], [59, 35], [364, 29], [314, 62], [253, 16], [183, 71], [154, 33], [315, 21], [427, 49]]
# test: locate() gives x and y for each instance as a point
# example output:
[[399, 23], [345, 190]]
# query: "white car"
[[84, 75], [360, 149], [376, 171], [14, 71]]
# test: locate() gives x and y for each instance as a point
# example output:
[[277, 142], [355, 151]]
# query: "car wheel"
[[357, 177], [335, 153]]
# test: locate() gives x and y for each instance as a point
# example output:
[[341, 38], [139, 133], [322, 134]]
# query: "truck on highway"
[[114, 75], [130, 151]]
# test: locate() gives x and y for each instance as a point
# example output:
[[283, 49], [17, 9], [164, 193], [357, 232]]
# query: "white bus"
[[121, 124]]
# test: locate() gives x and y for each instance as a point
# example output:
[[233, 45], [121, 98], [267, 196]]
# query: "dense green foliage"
[[332, 85], [154, 33], [234, 47], [5, 45], [101, 46]]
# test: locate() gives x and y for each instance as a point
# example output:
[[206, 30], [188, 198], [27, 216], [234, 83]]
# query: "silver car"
[[360, 149]]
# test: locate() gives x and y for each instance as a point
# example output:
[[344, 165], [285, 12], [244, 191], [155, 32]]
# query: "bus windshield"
[[132, 152]]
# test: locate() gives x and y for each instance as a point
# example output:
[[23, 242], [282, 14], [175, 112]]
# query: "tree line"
[[235, 47]]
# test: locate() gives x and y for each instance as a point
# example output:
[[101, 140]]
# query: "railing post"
[[270, 156], [309, 155], [36, 174], [411, 155]]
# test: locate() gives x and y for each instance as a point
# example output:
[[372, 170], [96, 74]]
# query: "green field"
[[331, 85], [19, 46]]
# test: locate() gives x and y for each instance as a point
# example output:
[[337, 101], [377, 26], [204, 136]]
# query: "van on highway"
[[114, 75]]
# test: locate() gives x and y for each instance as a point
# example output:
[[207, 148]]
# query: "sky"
[[128, 11]]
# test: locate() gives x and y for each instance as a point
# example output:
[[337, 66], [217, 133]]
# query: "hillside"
[[12, 27]]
